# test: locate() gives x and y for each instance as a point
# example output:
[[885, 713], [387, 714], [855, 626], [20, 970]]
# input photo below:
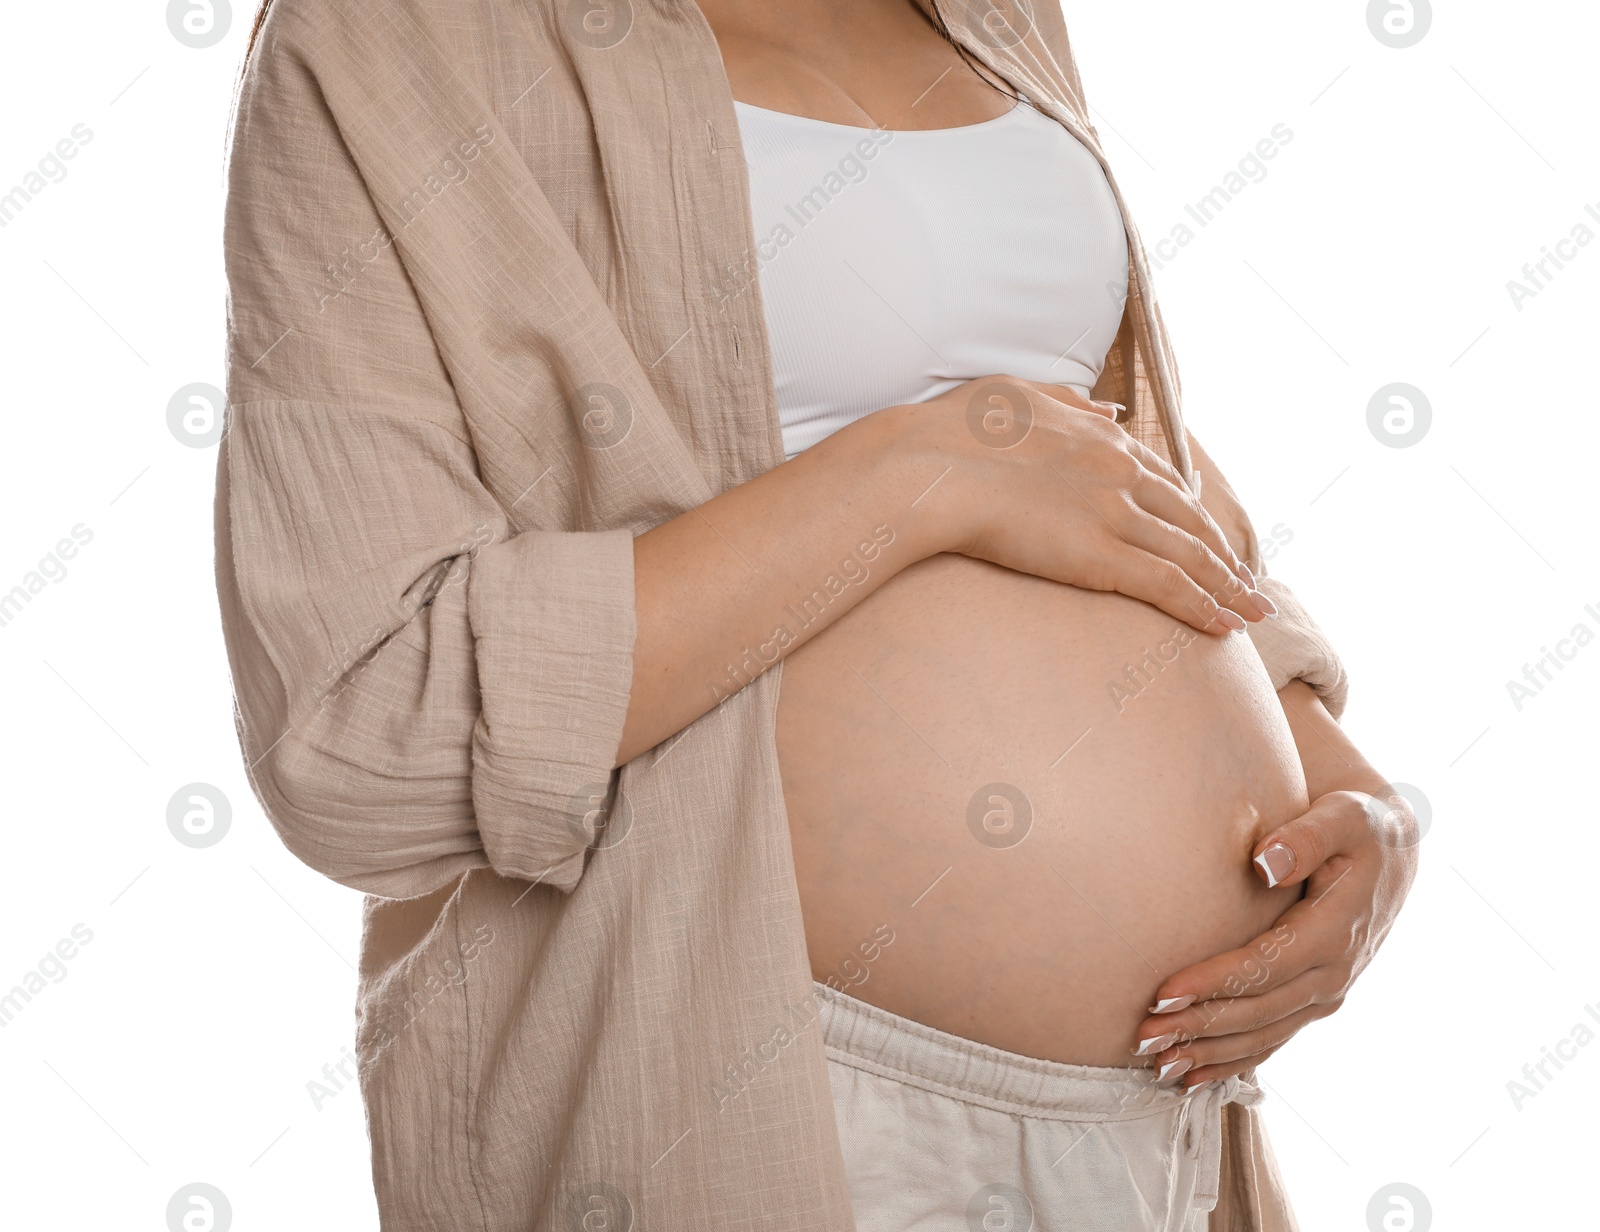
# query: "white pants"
[[942, 1134]]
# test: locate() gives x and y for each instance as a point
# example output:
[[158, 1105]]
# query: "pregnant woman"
[[708, 543]]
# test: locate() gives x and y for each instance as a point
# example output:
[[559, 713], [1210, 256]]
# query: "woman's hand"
[[1355, 851], [1039, 479]]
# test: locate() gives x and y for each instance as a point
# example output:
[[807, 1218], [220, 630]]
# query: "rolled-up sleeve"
[[422, 687]]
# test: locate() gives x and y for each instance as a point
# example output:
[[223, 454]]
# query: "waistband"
[[872, 1039]]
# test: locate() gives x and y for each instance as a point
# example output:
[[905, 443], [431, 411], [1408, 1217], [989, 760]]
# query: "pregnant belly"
[[1017, 806]]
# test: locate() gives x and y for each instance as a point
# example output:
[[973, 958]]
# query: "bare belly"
[[1001, 831]]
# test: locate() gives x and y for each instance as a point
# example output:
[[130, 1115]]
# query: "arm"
[[1355, 851], [1072, 498]]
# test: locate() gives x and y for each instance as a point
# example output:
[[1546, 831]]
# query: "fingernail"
[[1174, 1069], [1277, 862], [1156, 1043], [1248, 577], [1171, 1005], [1265, 606], [1230, 619]]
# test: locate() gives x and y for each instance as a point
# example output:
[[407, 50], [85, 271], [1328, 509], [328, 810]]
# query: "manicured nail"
[[1245, 574], [1230, 619], [1156, 1043], [1265, 606], [1174, 1069], [1277, 862], [1171, 1005]]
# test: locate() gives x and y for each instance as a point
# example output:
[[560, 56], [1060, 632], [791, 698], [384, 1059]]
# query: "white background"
[[179, 1043]]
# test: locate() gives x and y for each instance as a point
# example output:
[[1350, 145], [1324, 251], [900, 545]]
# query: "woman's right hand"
[[1039, 479]]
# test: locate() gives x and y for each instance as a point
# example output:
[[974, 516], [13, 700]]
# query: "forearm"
[[1331, 762], [1024, 475], [726, 590]]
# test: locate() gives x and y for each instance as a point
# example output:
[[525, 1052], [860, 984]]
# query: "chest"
[[895, 264]]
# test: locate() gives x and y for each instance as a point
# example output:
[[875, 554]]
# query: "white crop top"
[[894, 265]]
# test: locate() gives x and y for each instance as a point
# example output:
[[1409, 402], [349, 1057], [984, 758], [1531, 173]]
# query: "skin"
[[1077, 503], [1136, 819]]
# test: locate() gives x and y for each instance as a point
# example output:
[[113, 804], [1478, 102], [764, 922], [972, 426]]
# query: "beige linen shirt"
[[493, 312]]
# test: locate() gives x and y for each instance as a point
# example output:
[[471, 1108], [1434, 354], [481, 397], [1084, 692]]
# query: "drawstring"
[[1200, 1131]]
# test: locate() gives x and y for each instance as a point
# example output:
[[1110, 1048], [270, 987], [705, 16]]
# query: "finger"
[[1161, 537], [1339, 823], [1071, 397], [1160, 582], [1292, 946], [1156, 464], [1221, 1073], [1165, 495], [1233, 1049], [1232, 1015]]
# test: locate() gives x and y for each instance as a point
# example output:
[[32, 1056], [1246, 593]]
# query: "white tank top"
[[894, 265]]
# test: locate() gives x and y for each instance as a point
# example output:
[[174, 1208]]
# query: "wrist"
[[910, 466]]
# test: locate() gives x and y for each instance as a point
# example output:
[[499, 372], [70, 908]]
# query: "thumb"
[[1336, 824]]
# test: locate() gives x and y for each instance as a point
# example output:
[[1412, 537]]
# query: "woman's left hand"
[[1355, 850]]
